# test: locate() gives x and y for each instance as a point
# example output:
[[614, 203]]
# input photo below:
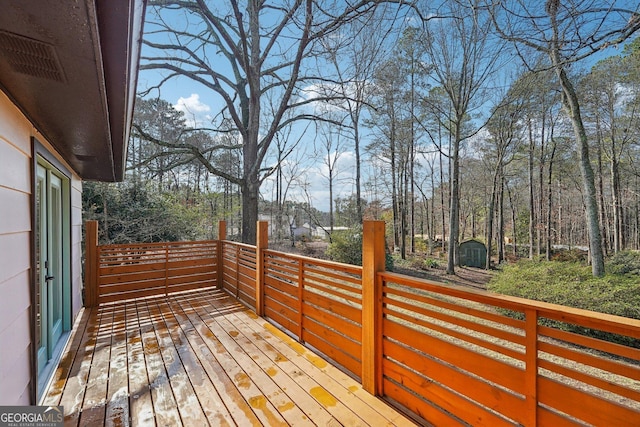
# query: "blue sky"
[[200, 104]]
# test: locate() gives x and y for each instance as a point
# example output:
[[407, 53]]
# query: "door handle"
[[49, 278]]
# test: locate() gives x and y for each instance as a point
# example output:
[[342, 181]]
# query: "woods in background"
[[448, 135]]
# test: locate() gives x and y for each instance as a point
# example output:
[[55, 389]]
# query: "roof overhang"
[[71, 67]]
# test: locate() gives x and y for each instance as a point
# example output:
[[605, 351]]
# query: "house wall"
[[15, 255]]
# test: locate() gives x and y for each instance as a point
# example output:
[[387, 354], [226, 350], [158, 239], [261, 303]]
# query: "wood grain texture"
[[141, 270], [441, 339], [201, 358]]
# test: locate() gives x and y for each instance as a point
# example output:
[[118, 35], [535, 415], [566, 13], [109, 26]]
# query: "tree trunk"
[[532, 215], [442, 199], [490, 216], [432, 219], [331, 219], [500, 237], [514, 217], [356, 142], [412, 161], [454, 210], [249, 213], [394, 187], [540, 203], [404, 225], [616, 201], [549, 201], [602, 211], [572, 106]]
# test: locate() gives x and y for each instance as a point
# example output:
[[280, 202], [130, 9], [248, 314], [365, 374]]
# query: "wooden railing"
[[450, 355], [119, 272], [453, 356], [319, 302], [239, 271]]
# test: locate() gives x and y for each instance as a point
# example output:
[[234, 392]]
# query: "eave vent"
[[86, 158], [31, 57]]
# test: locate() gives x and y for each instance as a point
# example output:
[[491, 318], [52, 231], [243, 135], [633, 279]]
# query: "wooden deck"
[[196, 359]]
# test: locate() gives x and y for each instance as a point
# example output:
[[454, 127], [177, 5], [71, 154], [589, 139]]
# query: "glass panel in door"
[[54, 262], [41, 273], [49, 259]]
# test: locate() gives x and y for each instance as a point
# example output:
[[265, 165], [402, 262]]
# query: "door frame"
[[41, 155]]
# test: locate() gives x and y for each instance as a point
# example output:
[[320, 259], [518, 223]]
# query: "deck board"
[[117, 410], [201, 358], [140, 404], [212, 405], [95, 395]]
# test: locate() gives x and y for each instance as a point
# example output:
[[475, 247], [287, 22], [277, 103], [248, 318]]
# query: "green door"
[[49, 262]]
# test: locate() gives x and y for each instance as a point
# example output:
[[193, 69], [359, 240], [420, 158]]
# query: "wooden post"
[[531, 366], [262, 243], [222, 236], [236, 266], [91, 264], [300, 298], [373, 261], [166, 269]]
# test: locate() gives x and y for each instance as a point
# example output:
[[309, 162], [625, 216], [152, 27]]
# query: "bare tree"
[[614, 110], [363, 46], [505, 127], [566, 32], [289, 168], [329, 146], [463, 57], [244, 54]]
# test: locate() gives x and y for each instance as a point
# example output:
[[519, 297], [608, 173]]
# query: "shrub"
[[430, 263], [572, 284], [346, 247], [626, 262], [412, 261], [569, 255], [422, 245]]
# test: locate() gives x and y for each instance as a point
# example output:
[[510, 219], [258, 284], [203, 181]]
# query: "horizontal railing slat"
[[588, 342], [471, 339], [492, 370], [332, 305], [590, 379], [470, 412], [436, 416], [456, 321], [463, 310], [140, 276], [608, 365], [431, 370], [334, 338], [345, 327], [135, 270], [590, 408]]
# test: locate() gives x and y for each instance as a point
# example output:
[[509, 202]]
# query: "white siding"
[[15, 256], [76, 245]]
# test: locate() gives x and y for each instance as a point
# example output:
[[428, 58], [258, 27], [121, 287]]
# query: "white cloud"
[[195, 111]]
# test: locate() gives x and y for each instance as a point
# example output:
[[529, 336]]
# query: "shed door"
[[49, 262]]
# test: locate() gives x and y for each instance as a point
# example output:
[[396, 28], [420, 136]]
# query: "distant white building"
[[305, 229]]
